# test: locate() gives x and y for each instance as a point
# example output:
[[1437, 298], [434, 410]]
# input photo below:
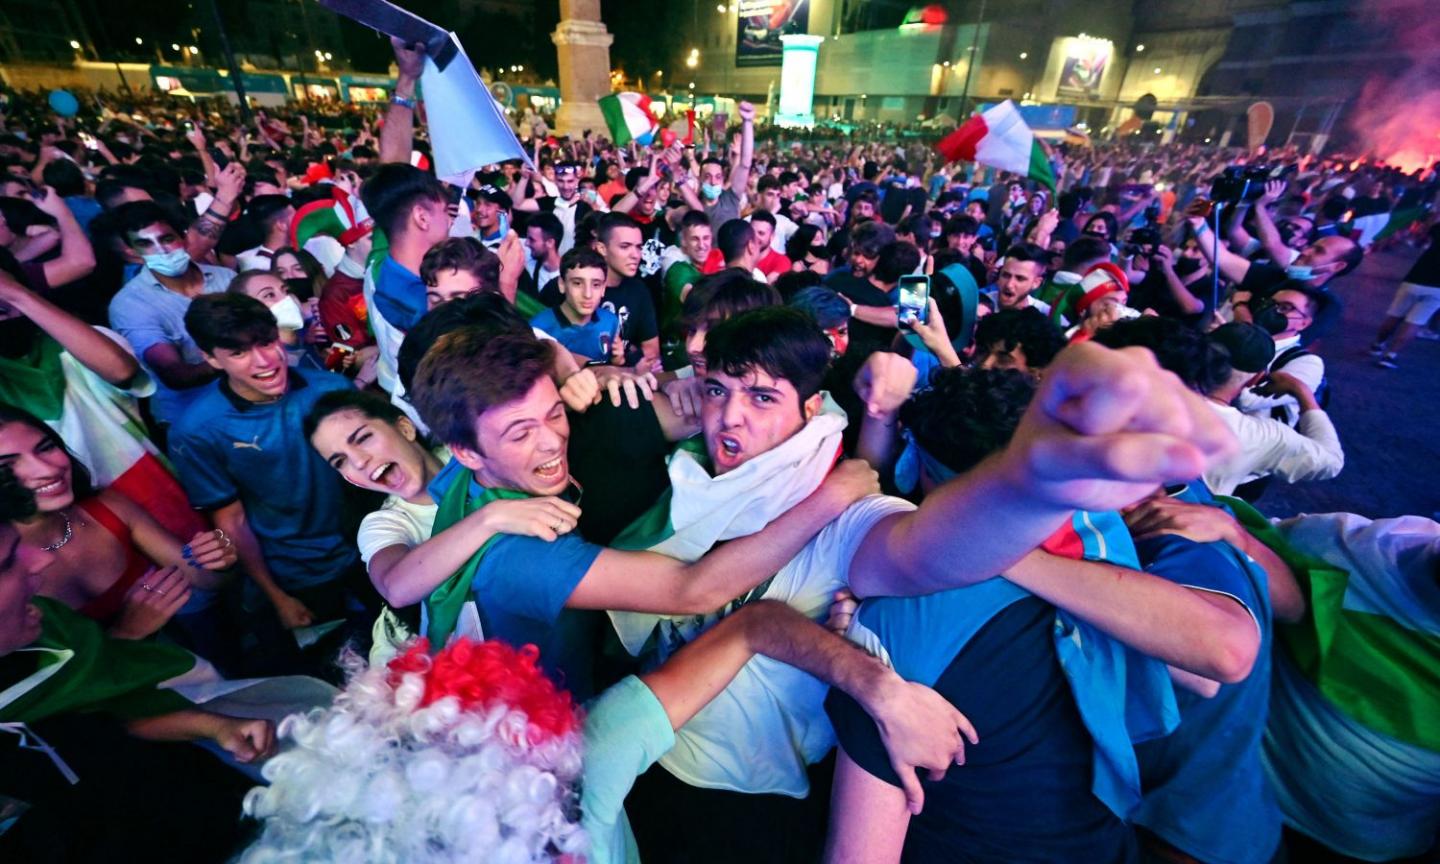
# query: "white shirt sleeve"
[[401, 525], [1311, 451]]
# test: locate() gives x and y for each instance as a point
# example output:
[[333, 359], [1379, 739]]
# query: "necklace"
[[65, 538]]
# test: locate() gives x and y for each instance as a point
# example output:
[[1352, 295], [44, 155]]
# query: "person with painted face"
[[149, 311], [830, 311], [242, 457]]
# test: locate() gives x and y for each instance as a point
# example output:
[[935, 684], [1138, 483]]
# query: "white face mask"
[[287, 313]]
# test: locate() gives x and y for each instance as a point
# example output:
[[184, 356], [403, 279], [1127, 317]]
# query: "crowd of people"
[[709, 501]]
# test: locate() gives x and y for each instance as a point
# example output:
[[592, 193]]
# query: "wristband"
[[1204, 226], [403, 102]]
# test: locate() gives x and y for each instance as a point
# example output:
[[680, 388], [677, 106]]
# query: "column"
[[582, 45], [797, 79]]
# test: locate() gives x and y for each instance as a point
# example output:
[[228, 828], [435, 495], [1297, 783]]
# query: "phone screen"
[[914, 301]]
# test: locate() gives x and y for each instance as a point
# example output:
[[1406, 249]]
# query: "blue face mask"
[[172, 264], [1301, 272], [710, 191]]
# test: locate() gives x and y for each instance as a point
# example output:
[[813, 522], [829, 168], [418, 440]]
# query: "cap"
[[494, 196], [1250, 348], [1101, 280]]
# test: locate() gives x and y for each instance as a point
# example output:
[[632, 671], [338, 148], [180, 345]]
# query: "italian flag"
[[999, 138], [629, 117]]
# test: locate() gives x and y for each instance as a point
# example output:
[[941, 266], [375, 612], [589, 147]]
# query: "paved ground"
[[1388, 420]]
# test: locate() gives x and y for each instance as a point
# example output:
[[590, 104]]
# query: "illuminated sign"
[[761, 23], [797, 80], [1084, 67]]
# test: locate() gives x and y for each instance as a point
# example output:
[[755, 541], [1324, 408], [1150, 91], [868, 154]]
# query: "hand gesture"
[[230, 181], [920, 729], [848, 482], [409, 59], [932, 332], [245, 739], [1165, 257], [1273, 190], [1049, 220], [1164, 515], [512, 255], [843, 606], [1107, 427], [580, 390], [210, 550], [1283, 384], [50, 202], [884, 383], [650, 180], [292, 612], [686, 395], [546, 518], [196, 137], [633, 383], [151, 602], [746, 111]]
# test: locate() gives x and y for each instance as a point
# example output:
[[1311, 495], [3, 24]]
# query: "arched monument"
[[582, 45]]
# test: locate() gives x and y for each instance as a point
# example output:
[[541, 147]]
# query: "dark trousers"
[[676, 823]]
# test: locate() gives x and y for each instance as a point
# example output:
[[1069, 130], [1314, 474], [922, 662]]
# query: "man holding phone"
[[874, 317]]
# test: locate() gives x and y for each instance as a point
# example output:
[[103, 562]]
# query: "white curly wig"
[[469, 755]]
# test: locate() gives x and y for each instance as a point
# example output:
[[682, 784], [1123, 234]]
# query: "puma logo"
[[253, 445]]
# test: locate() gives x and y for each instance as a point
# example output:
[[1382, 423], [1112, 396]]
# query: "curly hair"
[[1027, 329], [473, 754], [1201, 365], [965, 415]]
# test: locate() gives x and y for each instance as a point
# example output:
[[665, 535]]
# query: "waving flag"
[[629, 117], [999, 138]]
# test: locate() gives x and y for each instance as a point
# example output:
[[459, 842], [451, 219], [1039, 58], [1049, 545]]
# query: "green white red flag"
[[999, 137]]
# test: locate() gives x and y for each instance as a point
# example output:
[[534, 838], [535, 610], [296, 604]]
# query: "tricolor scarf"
[[1370, 649], [1124, 697], [700, 510], [35, 380]]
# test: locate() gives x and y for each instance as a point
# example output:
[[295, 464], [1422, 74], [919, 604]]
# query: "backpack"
[[1322, 391]]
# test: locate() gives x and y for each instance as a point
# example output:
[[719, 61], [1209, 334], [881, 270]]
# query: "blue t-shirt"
[[1024, 793], [399, 294], [521, 588], [1205, 788], [591, 339], [226, 449]]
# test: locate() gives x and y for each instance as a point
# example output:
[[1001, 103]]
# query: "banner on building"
[[761, 23], [1084, 67]]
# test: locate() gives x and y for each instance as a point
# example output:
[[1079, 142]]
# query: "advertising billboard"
[[760, 25], [1084, 67]]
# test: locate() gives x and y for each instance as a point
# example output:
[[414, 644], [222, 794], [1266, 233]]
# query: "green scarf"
[[1379, 673], [119, 677], [443, 605], [35, 380]]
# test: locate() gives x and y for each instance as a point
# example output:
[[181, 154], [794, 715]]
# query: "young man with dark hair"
[[736, 242], [618, 239], [458, 267], [539, 284], [579, 323], [681, 275], [770, 190], [1019, 276], [408, 205], [568, 206], [1020, 339], [875, 320], [770, 263], [715, 299], [149, 311], [241, 455]]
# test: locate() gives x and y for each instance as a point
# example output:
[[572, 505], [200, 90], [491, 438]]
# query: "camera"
[[1143, 241], [1244, 182]]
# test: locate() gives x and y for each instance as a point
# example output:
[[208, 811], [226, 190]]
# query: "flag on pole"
[[999, 138], [629, 117]]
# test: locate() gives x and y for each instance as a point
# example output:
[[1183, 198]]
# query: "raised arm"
[[883, 384], [77, 258], [650, 582], [740, 173], [919, 727], [96, 351], [204, 232], [1189, 304], [1232, 266], [1105, 428], [398, 134], [1270, 240]]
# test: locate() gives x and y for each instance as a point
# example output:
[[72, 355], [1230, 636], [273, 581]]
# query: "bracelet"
[[1204, 226], [403, 102]]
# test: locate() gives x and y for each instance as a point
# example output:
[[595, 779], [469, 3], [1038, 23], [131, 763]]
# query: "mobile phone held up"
[[914, 302]]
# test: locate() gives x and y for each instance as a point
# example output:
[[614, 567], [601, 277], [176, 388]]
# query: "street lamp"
[[174, 46], [1140, 49], [1024, 54], [329, 56], [74, 44], [139, 41]]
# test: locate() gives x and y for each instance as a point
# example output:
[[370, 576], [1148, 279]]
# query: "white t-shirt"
[[762, 731], [396, 523]]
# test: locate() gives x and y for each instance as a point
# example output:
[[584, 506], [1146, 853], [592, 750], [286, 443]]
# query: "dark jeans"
[[676, 823]]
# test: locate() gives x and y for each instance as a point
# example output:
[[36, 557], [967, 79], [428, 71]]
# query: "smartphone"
[[453, 194], [89, 141], [914, 304]]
